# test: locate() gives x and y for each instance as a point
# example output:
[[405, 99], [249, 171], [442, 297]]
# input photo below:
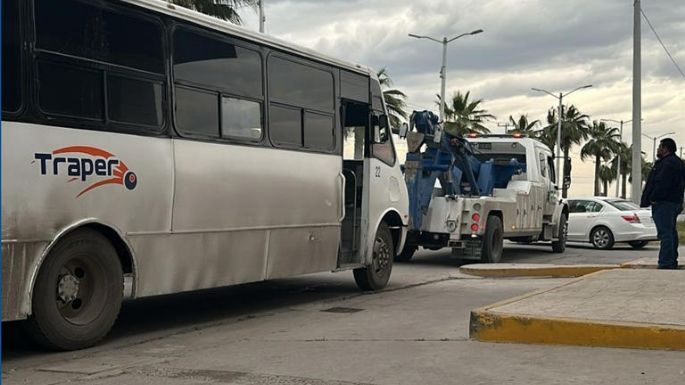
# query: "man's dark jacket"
[[666, 181]]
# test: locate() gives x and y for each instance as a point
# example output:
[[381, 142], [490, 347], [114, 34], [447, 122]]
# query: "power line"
[[662, 43]]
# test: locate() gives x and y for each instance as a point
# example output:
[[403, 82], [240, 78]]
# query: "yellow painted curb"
[[644, 263], [499, 327], [490, 326], [560, 271]]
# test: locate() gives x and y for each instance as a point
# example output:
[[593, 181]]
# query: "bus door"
[[355, 124]]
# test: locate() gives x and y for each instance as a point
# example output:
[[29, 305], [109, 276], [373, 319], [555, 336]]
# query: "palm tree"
[[463, 115], [626, 153], [523, 126], [394, 99], [574, 130], [222, 9], [606, 176], [604, 142]]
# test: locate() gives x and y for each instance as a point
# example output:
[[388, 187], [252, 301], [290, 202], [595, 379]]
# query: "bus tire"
[[559, 246], [375, 276], [493, 240], [78, 293]]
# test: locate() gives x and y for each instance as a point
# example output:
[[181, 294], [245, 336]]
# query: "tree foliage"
[[222, 9]]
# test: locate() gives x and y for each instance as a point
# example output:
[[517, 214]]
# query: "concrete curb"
[[496, 327], [501, 270], [488, 325]]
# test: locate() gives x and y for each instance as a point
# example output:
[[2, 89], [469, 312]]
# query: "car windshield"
[[624, 205]]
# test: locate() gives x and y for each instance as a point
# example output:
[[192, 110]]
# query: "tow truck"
[[470, 194]]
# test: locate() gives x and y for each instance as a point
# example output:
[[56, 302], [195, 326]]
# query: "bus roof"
[[241, 32]]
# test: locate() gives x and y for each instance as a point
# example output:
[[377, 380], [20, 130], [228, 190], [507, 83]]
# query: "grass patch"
[[681, 232]]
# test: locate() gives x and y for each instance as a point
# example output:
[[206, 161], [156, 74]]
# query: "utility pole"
[[262, 18], [636, 186]]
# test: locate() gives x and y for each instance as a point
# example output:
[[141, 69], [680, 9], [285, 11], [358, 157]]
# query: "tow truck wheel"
[[559, 246], [493, 241], [78, 293], [376, 276]]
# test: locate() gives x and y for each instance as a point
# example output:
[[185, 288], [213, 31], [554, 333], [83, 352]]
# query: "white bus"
[[148, 149]]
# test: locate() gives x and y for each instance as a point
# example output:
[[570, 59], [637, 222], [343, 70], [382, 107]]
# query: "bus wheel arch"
[[77, 291], [394, 222], [376, 275]]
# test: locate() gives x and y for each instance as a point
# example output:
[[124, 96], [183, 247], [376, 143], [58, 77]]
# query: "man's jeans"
[[665, 215]]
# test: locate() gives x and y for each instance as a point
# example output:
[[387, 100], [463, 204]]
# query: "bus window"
[[92, 32], [218, 64], [285, 127], [241, 119], [197, 112], [11, 56], [300, 85], [318, 131], [134, 100], [70, 91]]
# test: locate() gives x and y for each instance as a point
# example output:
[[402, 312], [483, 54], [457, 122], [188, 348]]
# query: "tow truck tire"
[[559, 246], [493, 240], [78, 293], [375, 276], [406, 254]]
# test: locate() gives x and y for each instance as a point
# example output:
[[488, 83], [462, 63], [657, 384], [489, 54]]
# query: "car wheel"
[[78, 293], [376, 276], [602, 238], [638, 244]]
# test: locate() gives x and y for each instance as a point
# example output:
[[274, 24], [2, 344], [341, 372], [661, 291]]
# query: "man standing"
[[664, 192]]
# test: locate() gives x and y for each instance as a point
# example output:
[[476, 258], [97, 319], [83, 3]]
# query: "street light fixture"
[[655, 138], [443, 69], [560, 97], [618, 156]]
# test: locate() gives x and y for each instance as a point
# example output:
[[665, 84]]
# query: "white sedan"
[[604, 221]]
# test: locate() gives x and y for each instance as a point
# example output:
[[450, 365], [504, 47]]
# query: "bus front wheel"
[[78, 292], [376, 275]]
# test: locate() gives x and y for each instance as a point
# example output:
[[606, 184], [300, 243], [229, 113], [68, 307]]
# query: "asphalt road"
[[319, 329]]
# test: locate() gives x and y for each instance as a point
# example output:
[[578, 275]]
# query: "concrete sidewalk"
[[630, 308]]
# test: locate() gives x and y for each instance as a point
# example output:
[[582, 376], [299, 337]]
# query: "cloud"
[[554, 45]]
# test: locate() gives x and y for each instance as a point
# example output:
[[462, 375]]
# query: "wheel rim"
[[80, 290], [601, 238], [381, 256]]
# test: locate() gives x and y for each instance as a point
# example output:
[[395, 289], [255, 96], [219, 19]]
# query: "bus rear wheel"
[[376, 276], [78, 293]]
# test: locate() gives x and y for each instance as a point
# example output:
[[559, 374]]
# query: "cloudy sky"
[[550, 44]]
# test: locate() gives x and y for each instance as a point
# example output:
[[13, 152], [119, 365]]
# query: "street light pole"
[[262, 18], [560, 97], [443, 69]]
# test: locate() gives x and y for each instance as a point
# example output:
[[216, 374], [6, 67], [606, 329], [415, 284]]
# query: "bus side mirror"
[[381, 131]]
